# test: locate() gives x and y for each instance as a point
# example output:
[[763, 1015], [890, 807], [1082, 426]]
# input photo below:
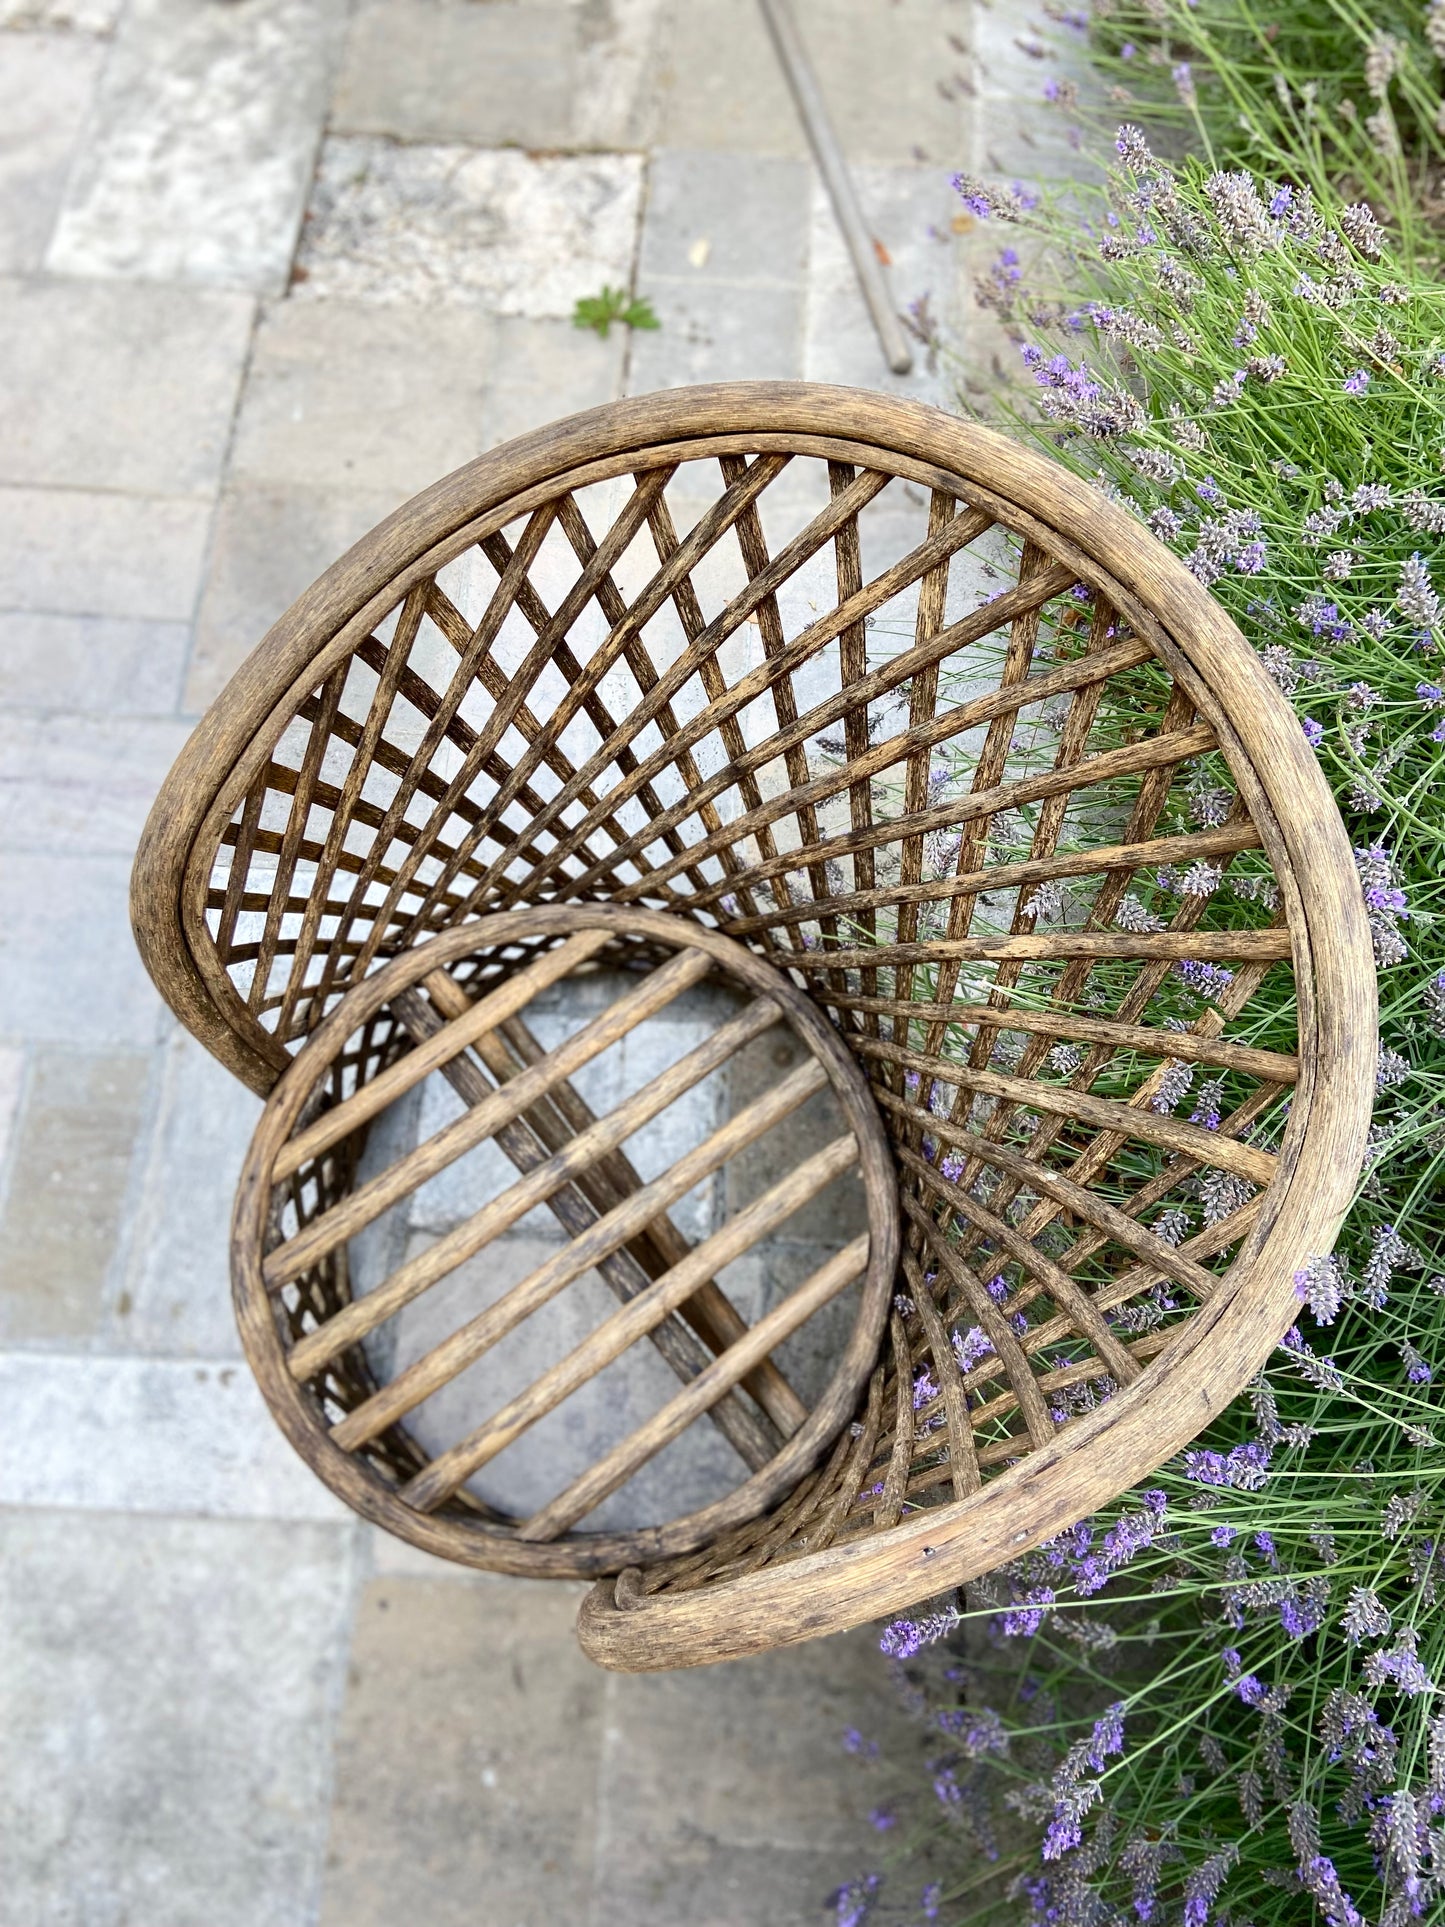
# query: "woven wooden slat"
[[315, 1349], [953, 745]]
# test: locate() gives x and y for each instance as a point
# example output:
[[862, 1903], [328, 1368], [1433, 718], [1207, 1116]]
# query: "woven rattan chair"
[[922, 753]]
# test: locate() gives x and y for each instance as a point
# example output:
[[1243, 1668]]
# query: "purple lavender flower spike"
[[854, 1900], [1023, 1619], [903, 1638], [1107, 1737], [1064, 1834]]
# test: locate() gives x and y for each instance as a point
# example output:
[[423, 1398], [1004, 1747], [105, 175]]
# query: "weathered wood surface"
[[568, 1159], [273, 875]]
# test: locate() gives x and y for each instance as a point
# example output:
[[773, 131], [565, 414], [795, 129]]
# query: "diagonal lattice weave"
[[918, 747]]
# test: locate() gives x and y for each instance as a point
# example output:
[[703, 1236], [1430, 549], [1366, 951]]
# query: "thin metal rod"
[[813, 112]]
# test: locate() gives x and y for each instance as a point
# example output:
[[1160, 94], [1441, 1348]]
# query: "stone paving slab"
[[724, 218], [66, 1189], [466, 1760], [1016, 131], [730, 333], [553, 75], [430, 70], [83, 784], [125, 386], [173, 1295], [46, 84], [190, 1437], [12, 1083], [719, 84], [910, 210], [79, 663], [201, 148], [720, 1796], [69, 970], [728, 1801], [515, 233], [75, 551], [355, 396], [269, 544], [80, 16], [544, 369], [167, 1690]]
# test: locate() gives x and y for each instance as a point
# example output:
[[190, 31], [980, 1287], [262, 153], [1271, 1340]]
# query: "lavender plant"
[[1321, 92], [1222, 1704]]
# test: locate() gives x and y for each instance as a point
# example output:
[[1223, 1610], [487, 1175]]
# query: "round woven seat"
[[906, 732], [306, 1196]]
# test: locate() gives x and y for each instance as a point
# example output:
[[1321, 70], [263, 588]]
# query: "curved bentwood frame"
[[352, 1436], [1000, 787]]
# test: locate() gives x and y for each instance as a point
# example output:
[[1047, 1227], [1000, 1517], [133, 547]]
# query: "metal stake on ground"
[[813, 111]]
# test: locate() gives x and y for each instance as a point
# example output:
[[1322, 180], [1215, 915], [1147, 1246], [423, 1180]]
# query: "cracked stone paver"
[[513, 233]]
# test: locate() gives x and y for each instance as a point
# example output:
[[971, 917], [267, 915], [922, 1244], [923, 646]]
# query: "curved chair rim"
[[279, 670]]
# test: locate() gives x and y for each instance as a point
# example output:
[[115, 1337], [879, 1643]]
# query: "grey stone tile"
[[546, 74], [720, 85], [760, 1823], [1018, 144], [46, 81], [12, 1081], [492, 228], [466, 1761], [69, 970], [202, 144], [168, 1688], [78, 16], [431, 70], [119, 387], [270, 544], [718, 331], [71, 551], [616, 103], [1016, 131], [75, 1140], [176, 1292], [725, 217], [543, 370], [345, 395], [909, 209], [150, 1435], [83, 783], [389, 1554], [1016, 54], [111, 665]]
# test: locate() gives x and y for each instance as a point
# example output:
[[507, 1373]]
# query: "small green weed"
[[599, 311]]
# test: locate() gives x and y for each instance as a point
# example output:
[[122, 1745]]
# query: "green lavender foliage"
[[1224, 1701], [1325, 93]]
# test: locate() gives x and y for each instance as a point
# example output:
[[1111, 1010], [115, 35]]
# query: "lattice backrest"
[[938, 732]]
